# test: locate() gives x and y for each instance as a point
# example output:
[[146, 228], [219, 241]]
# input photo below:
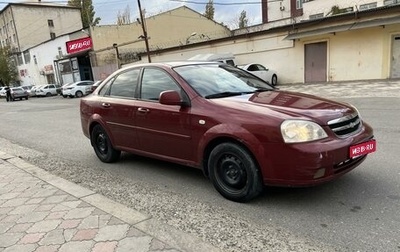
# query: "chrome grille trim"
[[346, 125], [343, 119]]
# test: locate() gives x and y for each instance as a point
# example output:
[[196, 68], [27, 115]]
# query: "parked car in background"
[[32, 92], [77, 89], [242, 132], [96, 84], [19, 93], [262, 72], [2, 92], [47, 90], [28, 89]]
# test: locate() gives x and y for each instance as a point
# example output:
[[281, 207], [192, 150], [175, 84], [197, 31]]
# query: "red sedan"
[[240, 131]]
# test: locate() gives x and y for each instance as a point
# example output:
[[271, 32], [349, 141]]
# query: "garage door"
[[315, 62]]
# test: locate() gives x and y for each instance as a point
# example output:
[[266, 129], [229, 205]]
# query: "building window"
[[15, 38], [27, 57], [52, 35], [315, 16], [368, 6], [19, 59], [388, 2], [50, 23], [299, 4]]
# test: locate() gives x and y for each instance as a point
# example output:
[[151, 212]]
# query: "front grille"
[[346, 125]]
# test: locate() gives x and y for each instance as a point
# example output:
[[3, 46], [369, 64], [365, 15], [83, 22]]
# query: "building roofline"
[[37, 5]]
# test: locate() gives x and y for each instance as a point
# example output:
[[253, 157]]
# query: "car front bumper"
[[313, 163]]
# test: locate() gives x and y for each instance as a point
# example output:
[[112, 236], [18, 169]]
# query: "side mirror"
[[171, 97]]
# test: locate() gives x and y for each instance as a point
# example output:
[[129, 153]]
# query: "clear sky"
[[226, 11]]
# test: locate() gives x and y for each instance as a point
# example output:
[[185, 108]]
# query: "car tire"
[[26, 97], [274, 80], [65, 96], [234, 173], [102, 145], [48, 94], [78, 94]]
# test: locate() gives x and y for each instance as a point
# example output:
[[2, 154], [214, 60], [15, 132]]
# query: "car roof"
[[173, 63]]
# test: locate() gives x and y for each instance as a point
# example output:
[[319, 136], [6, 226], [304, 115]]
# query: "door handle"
[[143, 110], [106, 105]]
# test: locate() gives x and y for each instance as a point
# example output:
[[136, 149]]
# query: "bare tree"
[[243, 20], [124, 17]]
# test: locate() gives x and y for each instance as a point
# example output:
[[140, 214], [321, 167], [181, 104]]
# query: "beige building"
[[354, 45], [25, 25], [173, 28]]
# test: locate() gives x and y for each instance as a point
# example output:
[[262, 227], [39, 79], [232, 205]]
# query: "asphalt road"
[[358, 212]]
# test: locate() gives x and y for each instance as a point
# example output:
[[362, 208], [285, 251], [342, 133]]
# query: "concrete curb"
[[161, 231]]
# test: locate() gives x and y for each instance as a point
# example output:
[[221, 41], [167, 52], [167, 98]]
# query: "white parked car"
[[47, 90], [262, 72], [77, 89], [2, 91]]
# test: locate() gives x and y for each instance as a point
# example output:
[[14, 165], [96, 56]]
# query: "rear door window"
[[124, 85]]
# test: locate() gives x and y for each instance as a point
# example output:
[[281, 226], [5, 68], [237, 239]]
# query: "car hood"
[[285, 105]]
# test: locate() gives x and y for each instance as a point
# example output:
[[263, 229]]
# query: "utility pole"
[[146, 40]]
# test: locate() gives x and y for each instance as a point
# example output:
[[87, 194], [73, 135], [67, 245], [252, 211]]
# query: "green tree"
[[210, 10], [243, 20], [8, 70], [87, 12]]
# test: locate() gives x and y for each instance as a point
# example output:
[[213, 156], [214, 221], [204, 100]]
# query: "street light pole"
[[115, 45], [146, 41]]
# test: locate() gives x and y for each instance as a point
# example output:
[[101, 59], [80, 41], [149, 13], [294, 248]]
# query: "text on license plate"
[[362, 148]]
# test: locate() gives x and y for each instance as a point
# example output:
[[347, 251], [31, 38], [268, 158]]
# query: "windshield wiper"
[[262, 90], [223, 94]]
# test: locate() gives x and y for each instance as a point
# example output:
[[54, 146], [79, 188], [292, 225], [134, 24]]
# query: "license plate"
[[362, 148]]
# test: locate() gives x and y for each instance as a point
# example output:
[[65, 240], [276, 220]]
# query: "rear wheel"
[[48, 94], [26, 97], [102, 145], [78, 94], [234, 172]]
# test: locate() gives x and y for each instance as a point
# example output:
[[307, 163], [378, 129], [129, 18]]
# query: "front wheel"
[[234, 172], [274, 80], [48, 94], [102, 145]]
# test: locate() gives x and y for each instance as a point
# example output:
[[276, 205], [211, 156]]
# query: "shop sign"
[[79, 45]]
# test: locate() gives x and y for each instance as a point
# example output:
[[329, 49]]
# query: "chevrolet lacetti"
[[242, 132]]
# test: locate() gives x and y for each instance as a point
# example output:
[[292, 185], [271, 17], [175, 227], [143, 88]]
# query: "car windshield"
[[220, 80]]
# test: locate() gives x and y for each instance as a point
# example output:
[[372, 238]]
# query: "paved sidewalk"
[[346, 89], [40, 212]]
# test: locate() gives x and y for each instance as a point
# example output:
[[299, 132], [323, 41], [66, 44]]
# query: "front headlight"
[[297, 131]]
